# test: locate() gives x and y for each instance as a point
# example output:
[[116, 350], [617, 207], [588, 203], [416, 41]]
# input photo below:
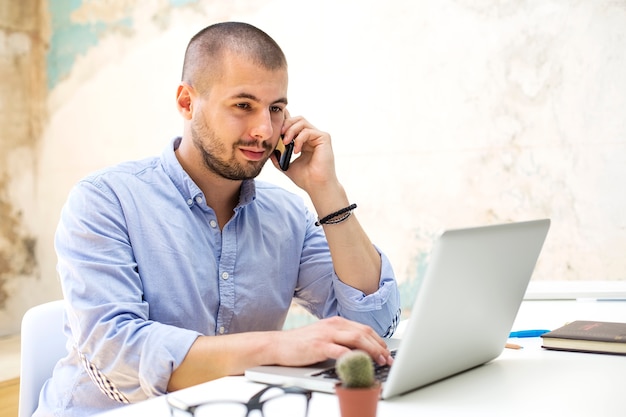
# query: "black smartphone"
[[283, 153]]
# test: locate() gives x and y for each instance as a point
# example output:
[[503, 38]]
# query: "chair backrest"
[[43, 344]]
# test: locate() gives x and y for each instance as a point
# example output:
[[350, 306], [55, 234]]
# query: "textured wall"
[[22, 114], [443, 114]]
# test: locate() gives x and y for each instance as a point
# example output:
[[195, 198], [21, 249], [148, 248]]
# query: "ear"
[[184, 98]]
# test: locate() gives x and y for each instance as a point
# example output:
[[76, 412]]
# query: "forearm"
[[212, 357], [355, 260]]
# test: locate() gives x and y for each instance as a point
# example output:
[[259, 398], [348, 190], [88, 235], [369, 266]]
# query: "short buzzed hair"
[[206, 48]]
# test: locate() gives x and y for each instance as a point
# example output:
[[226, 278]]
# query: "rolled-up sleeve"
[[126, 354], [380, 310], [322, 292]]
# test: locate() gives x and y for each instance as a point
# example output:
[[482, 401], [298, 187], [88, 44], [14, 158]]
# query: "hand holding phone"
[[283, 153]]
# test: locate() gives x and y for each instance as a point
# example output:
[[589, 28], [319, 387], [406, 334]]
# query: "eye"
[[243, 106], [275, 109]]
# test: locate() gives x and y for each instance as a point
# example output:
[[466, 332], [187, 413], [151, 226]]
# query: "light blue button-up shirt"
[[145, 269]]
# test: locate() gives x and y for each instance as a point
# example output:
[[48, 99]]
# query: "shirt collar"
[[187, 187]]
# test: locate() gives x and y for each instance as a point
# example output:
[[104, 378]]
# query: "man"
[[181, 269]]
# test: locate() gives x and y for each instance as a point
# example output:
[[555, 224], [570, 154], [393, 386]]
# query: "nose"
[[262, 128]]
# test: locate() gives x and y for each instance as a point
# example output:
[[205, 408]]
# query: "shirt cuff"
[[355, 300]]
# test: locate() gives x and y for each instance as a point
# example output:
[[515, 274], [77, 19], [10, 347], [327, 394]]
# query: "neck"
[[221, 194]]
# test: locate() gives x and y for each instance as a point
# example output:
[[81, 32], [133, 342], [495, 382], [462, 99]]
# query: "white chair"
[[43, 344]]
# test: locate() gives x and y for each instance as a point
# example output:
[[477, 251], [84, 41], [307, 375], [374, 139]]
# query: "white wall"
[[443, 114]]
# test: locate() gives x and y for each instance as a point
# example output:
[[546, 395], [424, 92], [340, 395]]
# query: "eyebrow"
[[255, 98]]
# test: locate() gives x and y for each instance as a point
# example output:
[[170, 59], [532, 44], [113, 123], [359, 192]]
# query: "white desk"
[[531, 381]]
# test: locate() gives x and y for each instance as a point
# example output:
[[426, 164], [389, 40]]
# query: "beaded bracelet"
[[337, 216]]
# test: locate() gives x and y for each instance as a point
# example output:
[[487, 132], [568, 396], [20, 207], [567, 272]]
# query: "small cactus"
[[356, 370]]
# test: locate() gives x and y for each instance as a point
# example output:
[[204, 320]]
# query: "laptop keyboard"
[[380, 371]]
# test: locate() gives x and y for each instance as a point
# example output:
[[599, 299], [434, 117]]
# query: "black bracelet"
[[339, 219], [332, 217]]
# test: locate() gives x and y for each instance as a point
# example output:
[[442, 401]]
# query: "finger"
[[290, 127], [307, 138], [335, 351], [299, 130], [376, 347], [370, 333], [358, 336]]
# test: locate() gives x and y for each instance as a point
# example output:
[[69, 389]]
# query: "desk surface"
[[529, 381]]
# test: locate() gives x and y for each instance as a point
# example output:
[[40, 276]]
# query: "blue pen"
[[528, 333]]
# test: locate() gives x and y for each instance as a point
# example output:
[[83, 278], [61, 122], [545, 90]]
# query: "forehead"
[[238, 75]]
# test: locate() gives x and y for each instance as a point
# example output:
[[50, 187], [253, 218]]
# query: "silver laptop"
[[462, 315]]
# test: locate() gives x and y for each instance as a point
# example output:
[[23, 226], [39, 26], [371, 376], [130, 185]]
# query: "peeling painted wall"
[[17, 246], [443, 114], [22, 116]]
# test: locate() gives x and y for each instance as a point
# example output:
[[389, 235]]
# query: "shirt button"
[[198, 199], [190, 202], [225, 275], [222, 330], [213, 224]]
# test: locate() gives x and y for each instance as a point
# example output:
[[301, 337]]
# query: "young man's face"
[[236, 123]]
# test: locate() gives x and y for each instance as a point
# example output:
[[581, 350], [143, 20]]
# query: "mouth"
[[253, 154]]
